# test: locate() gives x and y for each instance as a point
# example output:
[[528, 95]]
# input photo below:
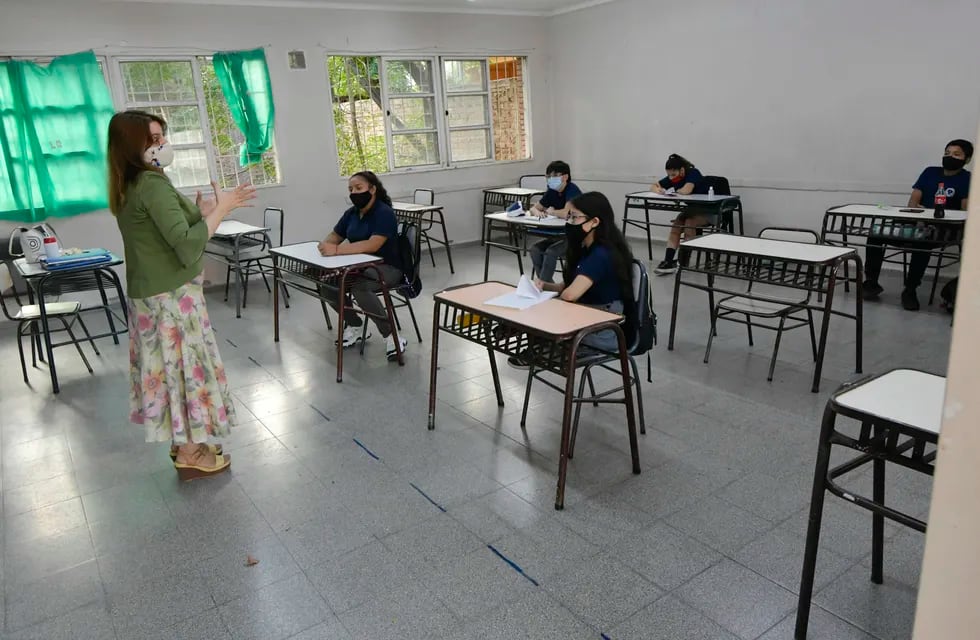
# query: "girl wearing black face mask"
[[598, 267], [369, 226]]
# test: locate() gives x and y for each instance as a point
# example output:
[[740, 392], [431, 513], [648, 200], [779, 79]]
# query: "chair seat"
[[244, 252], [762, 308], [52, 309]]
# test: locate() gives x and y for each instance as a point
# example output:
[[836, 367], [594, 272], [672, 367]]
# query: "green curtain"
[[53, 127], [244, 79]]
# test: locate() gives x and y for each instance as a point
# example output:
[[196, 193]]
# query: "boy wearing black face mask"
[[956, 186]]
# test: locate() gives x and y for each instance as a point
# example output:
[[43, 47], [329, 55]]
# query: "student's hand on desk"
[[539, 283], [656, 188], [327, 249]]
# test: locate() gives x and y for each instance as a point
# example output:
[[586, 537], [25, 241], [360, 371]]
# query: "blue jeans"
[[604, 340], [544, 256]]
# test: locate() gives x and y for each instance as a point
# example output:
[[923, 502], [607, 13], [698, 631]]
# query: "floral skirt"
[[178, 388]]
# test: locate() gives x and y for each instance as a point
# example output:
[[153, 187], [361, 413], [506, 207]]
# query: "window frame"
[[437, 107], [488, 109], [441, 97], [117, 87]]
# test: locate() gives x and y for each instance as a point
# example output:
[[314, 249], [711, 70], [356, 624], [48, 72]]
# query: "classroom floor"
[[326, 492]]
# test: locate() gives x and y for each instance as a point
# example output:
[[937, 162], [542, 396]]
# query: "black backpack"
[[410, 252]]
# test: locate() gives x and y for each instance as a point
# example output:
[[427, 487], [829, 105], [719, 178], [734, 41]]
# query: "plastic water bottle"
[[51, 248], [711, 192]]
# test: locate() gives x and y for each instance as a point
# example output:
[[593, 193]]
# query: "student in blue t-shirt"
[[682, 179], [369, 226], [956, 185], [598, 267], [561, 189]]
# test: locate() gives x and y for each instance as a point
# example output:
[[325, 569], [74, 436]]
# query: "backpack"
[[409, 250], [948, 294]]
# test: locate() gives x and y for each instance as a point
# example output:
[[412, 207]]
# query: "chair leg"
[[649, 369], [527, 394], [88, 335], [591, 385], [748, 325], [775, 349], [411, 312], [813, 334], [428, 243], [326, 316], [20, 350], [639, 394], [245, 274], [227, 281], [711, 334], [585, 375], [35, 345], [265, 278], [78, 347]]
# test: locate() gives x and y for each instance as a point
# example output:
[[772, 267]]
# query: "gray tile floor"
[[100, 541]]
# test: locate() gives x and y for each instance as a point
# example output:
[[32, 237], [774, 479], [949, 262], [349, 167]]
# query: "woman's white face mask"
[[159, 155]]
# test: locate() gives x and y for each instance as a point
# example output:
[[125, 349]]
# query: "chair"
[[635, 346], [533, 181], [426, 197], [254, 257], [28, 319], [402, 292], [767, 308], [722, 188]]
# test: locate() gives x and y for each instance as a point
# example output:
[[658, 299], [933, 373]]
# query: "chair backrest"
[[645, 332], [534, 181], [273, 218], [425, 196], [720, 184], [790, 234]]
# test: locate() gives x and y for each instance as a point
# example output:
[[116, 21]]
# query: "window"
[[398, 113], [206, 141]]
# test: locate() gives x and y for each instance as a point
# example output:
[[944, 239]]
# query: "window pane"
[[359, 127], [412, 113], [408, 76], [183, 124], [190, 168], [464, 75], [467, 111], [472, 144], [509, 108], [159, 81], [415, 149]]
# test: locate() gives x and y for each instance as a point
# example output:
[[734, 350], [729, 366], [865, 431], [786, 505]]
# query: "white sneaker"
[[352, 335], [390, 347]]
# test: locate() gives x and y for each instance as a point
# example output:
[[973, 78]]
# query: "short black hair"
[[676, 162], [965, 145], [560, 167]]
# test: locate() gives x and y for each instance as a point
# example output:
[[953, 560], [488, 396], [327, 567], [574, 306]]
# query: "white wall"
[[802, 104], [313, 194]]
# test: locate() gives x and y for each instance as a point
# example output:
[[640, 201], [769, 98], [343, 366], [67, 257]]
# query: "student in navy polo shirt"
[[683, 179], [367, 227], [956, 183], [598, 267], [561, 189]]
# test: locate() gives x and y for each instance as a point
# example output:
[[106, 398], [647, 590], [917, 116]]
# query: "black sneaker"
[[871, 290], [910, 302], [518, 362], [666, 267]]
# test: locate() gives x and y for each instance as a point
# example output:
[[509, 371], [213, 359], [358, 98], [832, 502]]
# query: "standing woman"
[[178, 387]]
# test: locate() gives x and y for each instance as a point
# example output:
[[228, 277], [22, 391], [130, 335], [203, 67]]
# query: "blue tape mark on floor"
[[322, 414], [254, 361], [425, 495], [513, 565], [231, 343], [366, 450], [604, 636]]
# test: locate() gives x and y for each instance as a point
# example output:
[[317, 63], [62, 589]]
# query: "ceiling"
[[503, 7]]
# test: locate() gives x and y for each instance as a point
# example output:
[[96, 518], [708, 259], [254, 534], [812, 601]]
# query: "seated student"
[[683, 179], [561, 189], [956, 183], [367, 227], [598, 267]]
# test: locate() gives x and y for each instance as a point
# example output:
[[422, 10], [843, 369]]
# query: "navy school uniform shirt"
[[690, 175], [957, 187], [558, 199], [378, 221], [597, 265]]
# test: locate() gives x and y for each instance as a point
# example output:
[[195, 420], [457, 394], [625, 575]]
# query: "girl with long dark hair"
[[598, 267]]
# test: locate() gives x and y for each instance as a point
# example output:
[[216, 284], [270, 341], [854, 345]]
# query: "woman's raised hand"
[[228, 201]]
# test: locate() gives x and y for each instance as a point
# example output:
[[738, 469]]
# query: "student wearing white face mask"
[[178, 389], [561, 190]]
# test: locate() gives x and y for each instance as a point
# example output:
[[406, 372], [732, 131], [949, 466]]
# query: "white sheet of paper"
[[525, 296]]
